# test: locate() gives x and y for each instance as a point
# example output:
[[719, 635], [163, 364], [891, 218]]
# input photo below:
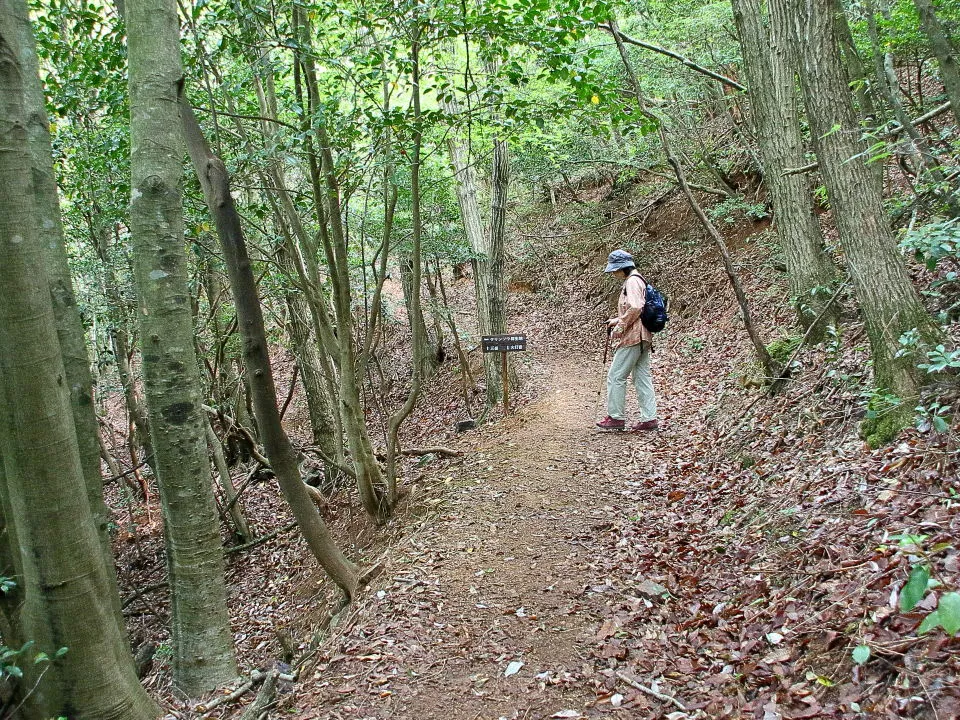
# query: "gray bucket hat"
[[619, 260]]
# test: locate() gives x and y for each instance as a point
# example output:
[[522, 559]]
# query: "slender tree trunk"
[[888, 300], [770, 74], [202, 639], [283, 458], [423, 354], [944, 51], [120, 344], [415, 307], [857, 71], [226, 484], [762, 355], [480, 262], [375, 494], [307, 352], [62, 570], [496, 258]]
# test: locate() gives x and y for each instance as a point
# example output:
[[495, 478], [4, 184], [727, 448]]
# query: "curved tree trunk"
[[61, 564], [770, 74], [202, 639], [888, 300]]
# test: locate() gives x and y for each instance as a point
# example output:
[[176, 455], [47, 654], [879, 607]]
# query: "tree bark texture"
[[770, 74], [283, 458], [69, 326], [888, 300], [202, 640], [944, 51], [62, 570]]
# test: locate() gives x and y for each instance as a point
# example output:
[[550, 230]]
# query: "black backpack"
[[654, 315]]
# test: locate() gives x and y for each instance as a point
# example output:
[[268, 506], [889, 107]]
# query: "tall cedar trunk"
[[203, 656], [62, 572], [496, 294], [283, 458], [478, 241], [888, 300], [944, 51], [69, 326], [770, 76]]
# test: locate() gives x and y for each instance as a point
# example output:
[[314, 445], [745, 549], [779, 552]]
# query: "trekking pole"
[[606, 348]]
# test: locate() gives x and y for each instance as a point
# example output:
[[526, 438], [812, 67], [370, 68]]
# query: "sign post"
[[504, 344]]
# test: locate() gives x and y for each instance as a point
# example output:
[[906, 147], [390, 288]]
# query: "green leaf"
[[861, 653], [930, 622], [915, 588], [949, 612]]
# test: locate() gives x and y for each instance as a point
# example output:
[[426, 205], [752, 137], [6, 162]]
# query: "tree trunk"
[[202, 639], [888, 300], [120, 344], [306, 350], [226, 484], [283, 458], [423, 353], [495, 278], [69, 326], [374, 492], [944, 51], [62, 570], [770, 74], [480, 262], [762, 355], [856, 70]]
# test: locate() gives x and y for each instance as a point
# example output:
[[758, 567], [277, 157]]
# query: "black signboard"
[[503, 343]]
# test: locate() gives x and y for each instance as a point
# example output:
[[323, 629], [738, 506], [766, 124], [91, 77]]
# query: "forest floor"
[[725, 566]]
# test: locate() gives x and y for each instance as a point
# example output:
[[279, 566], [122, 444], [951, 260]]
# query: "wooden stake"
[[506, 384]]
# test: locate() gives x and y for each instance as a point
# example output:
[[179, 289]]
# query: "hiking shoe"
[[608, 423], [645, 425]]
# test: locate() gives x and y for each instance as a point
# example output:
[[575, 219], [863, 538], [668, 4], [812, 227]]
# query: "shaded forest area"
[[253, 462]]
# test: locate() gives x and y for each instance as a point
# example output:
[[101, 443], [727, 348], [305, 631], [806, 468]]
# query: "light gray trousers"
[[632, 360]]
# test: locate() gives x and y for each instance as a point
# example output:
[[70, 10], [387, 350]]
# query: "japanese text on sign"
[[504, 343]]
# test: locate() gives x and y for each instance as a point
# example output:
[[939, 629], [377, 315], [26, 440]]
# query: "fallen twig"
[[264, 697], [261, 540], [650, 691]]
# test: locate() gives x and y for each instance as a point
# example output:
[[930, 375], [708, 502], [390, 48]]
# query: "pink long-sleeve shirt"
[[629, 330]]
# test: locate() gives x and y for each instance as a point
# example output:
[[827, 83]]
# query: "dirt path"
[[494, 577]]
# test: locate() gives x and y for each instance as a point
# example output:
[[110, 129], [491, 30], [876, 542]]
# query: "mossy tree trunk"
[[202, 639]]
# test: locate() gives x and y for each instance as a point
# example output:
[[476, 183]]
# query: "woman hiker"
[[633, 343]]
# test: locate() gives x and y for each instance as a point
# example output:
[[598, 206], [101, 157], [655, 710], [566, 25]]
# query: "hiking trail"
[[499, 574]]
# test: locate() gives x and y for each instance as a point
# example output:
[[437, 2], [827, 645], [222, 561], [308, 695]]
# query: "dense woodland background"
[[248, 441]]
